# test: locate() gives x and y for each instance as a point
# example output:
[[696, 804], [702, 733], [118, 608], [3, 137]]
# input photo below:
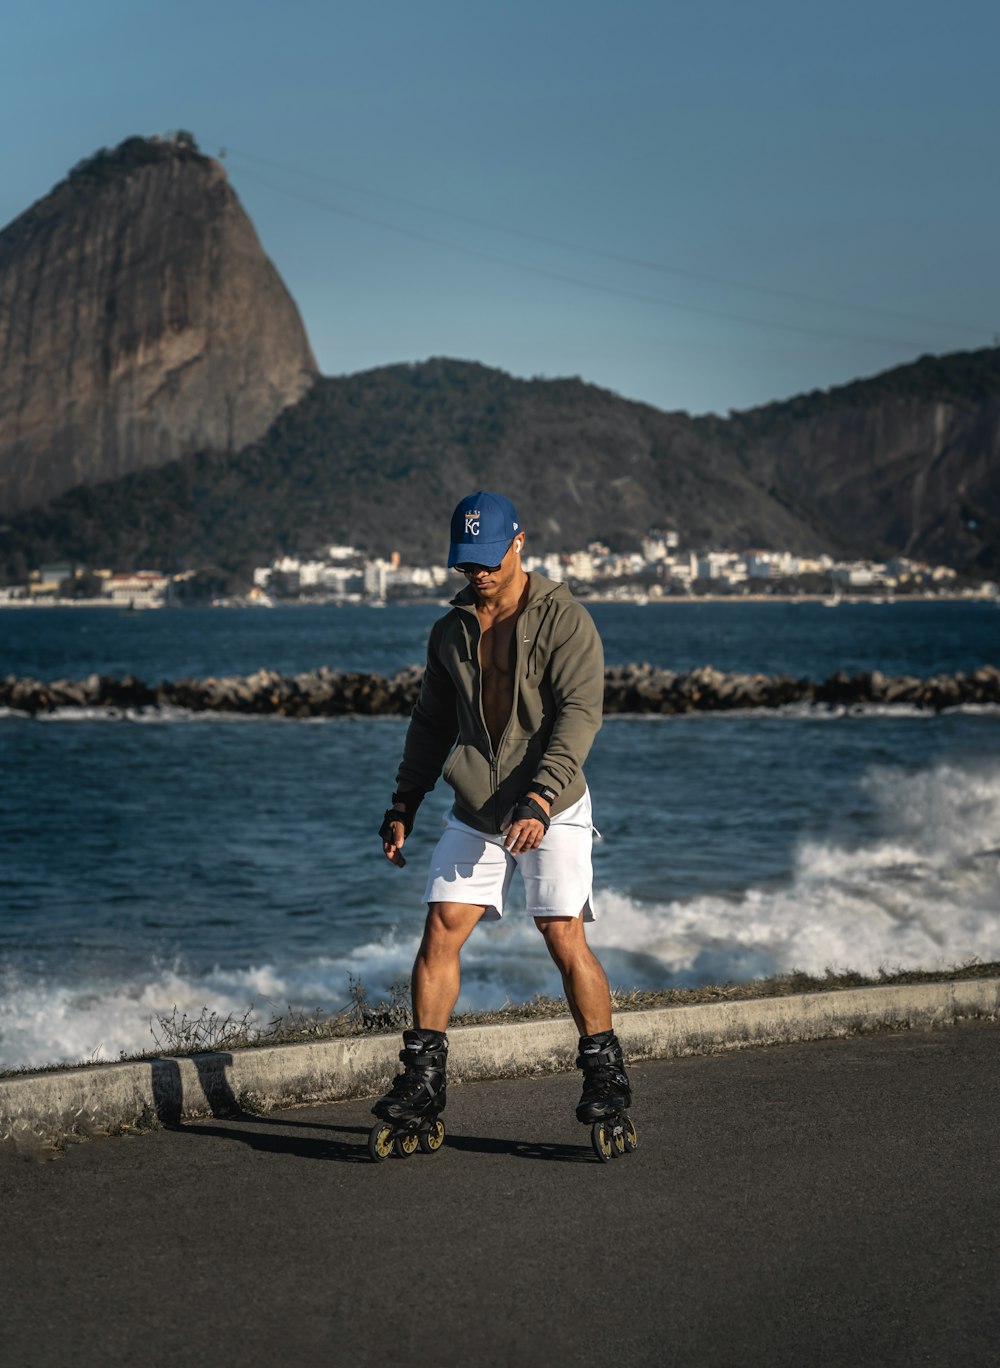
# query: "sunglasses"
[[471, 568]]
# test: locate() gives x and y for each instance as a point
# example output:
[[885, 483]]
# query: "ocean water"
[[776, 638], [152, 861]]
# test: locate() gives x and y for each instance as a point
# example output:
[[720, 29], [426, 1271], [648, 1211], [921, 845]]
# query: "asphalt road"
[[833, 1203]]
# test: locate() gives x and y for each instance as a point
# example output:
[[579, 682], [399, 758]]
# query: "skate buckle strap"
[[434, 1055], [597, 1059]]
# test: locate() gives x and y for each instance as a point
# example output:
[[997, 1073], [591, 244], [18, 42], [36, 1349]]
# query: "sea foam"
[[924, 892]]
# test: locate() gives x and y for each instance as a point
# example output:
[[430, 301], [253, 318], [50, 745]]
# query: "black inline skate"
[[607, 1096], [410, 1112]]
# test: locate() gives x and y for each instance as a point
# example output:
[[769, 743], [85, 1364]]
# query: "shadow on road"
[[521, 1149], [267, 1133], [250, 1130]]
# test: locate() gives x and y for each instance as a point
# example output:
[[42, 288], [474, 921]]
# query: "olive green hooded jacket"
[[557, 667]]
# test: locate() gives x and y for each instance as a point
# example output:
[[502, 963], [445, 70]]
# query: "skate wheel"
[[432, 1139], [601, 1142], [631, 1138], [380, 1139], [618, 1138], [405, 1145]]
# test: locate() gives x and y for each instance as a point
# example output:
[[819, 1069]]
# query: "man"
[[510, 703]]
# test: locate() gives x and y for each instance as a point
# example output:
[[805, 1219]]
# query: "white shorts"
[[470, 866]]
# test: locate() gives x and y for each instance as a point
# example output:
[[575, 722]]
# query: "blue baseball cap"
[[482, 528]]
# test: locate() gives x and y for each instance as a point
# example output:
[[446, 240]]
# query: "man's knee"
[[448, 924], [564, 936]]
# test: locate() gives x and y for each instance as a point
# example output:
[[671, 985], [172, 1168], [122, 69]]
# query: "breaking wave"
[[923, 892]]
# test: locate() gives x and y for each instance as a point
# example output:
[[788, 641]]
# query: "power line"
[[622, 259], [579, 281]]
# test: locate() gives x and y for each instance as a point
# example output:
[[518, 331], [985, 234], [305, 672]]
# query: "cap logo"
[[472, 524]]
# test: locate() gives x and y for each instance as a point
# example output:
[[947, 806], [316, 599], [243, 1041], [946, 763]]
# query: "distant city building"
[[139, 587], [580, 566], [45, 581], [815, 565], [341, 572], [722, 565], [343, 579], [859, 574], [681, 569], [422, 576], [771, 564], [657, 544], [550, 566], [376, 578], [310, 573]]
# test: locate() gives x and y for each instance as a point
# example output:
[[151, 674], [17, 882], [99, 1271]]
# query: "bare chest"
[[495, 650]]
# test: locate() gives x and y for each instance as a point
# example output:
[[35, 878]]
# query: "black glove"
[[394, 815], [411, 801], [526, 810]]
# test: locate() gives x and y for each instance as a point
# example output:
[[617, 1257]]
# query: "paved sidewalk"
[[828, 1203]]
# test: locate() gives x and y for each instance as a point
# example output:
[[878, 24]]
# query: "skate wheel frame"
[[384, 1140], [613, 1137]]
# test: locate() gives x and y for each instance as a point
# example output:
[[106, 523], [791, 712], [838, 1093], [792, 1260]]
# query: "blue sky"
[[701, 206]]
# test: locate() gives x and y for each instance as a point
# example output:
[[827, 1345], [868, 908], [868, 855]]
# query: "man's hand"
[[527, 833], [393, 835]]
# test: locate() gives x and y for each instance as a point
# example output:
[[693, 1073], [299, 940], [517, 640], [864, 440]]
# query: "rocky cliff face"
[[140, 320], [906, 463]]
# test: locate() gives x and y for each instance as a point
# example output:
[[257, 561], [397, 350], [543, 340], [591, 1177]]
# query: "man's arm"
[[429, 737], [576, 672]]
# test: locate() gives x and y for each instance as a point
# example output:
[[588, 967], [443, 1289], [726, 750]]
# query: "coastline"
[[639, 601]]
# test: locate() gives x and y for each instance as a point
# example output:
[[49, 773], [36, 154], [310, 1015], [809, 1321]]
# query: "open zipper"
[[495, 755]]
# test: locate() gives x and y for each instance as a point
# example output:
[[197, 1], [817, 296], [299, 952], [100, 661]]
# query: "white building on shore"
[[141, 588]]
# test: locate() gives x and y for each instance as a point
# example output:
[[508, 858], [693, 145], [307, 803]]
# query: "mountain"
[[903, 462], [907, 462], [159, 406], [140, 321], [378, 459]]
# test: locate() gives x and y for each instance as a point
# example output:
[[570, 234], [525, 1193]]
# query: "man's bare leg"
[[607, 1093], [584, 981], [436, 971]]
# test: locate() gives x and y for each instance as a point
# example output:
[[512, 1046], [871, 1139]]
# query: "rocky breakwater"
[[627, 689], [644, 689], [317, 693]]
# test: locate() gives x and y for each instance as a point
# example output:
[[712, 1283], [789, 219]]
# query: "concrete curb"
[[110, 1098]]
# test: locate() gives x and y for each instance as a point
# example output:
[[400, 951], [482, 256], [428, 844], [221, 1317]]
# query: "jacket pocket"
[[468, 772]]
